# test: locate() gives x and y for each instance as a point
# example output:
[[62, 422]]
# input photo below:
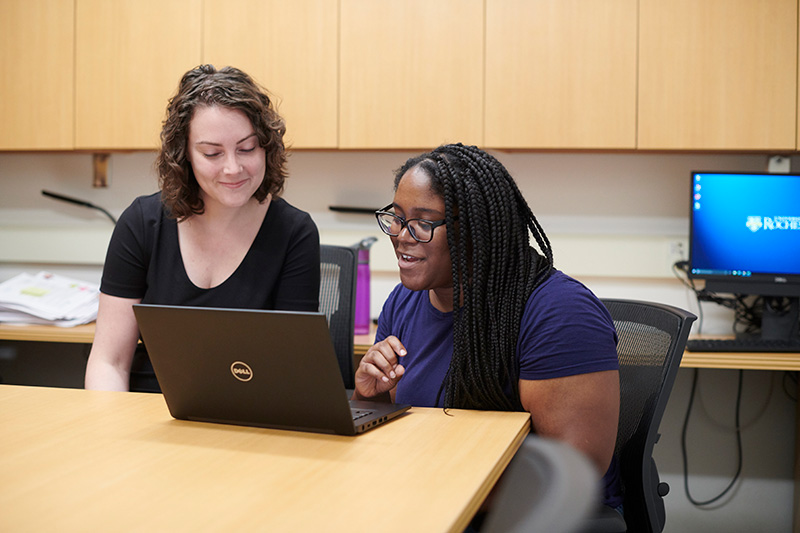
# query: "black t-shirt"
[[280, 271]]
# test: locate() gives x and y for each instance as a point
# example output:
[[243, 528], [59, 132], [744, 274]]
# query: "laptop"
[[274, 369]]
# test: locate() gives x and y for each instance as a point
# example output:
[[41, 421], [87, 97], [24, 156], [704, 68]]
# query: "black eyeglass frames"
[[420, 229]]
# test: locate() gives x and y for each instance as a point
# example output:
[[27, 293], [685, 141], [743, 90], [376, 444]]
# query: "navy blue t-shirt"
[[565, 331]]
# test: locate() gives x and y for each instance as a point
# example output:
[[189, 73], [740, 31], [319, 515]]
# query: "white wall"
[[617, 222]]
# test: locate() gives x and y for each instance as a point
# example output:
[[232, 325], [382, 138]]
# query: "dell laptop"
[[274, 369]]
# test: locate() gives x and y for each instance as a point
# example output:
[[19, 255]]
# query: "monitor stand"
[[780, 321]]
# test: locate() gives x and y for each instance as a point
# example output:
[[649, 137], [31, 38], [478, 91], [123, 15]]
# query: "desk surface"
[[86, 460], [79, 334], [745, 361]]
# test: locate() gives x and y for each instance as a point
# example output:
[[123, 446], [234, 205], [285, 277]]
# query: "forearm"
[[115, 340], [101, 375]]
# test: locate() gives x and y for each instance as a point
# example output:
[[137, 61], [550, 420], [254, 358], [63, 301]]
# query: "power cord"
[[738, 444], [743, 313], [748, 312]]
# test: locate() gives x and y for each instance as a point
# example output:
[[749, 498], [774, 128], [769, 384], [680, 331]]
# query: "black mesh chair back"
[[337, 300], [652, 338]]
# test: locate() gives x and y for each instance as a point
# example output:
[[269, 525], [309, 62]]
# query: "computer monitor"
[[745, 239]]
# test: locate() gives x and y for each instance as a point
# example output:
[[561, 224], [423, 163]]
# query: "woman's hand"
[[380, 368]]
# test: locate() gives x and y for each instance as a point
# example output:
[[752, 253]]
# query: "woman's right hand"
[[380, 368]]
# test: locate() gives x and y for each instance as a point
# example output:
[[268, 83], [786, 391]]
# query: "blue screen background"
[[721, 240]]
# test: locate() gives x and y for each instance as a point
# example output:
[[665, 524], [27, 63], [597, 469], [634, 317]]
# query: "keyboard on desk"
[[743, 345]]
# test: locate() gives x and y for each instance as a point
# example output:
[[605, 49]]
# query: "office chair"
[[337, 300], [549, 486], [652, 338]]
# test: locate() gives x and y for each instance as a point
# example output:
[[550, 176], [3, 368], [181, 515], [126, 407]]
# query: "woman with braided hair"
[[483, 320]]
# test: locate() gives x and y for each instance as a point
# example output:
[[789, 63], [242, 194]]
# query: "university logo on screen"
[[756, 223]]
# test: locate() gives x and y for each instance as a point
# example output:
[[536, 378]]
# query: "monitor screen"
[[745, 232]]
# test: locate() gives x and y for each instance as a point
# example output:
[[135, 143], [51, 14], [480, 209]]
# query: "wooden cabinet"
[[130, 55], [411, 73], [561, 74], [717, 75], [291, 48], [36, 88], [383, 74]]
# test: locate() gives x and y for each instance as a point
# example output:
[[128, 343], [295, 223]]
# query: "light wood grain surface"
[[93, 461], [744, 361]]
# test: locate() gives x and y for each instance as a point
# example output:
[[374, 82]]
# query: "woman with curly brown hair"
[[218, 234]]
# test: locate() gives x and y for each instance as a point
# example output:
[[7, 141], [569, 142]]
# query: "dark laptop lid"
[[251, 367]]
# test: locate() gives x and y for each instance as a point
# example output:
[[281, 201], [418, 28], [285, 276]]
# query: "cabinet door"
[[291, 48], [561, 74], [411, 73], [130, 56], [37, 85], [717, 74]]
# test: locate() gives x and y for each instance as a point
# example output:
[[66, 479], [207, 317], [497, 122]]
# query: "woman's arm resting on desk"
[[582, 410], [115, 340]]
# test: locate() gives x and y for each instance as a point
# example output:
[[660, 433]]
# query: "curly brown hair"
[[227, 87]]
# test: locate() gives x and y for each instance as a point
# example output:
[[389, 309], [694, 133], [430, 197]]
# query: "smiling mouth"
[[233, 185], [408, 259]]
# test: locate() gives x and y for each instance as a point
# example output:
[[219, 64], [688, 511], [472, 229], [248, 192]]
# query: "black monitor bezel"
[[759, 283]]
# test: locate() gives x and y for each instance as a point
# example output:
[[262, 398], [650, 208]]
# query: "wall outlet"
[[779, 164], [677, 251]]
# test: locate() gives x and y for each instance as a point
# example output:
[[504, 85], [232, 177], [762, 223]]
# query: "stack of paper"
[[48, 299]]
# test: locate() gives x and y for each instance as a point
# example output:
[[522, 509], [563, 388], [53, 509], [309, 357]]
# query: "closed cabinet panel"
[[411, 73], [291, 49], [717, 74], [37, 84], [561, 74], [130, 56]]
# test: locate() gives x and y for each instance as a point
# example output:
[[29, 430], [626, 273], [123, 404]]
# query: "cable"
[[790, 376], [681, 271], [747, 310], [76, 201], [738, 444]]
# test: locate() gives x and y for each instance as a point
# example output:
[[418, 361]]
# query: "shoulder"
[[565, 330], [288, 212], [563, 296], [291, 221], [145, 209]]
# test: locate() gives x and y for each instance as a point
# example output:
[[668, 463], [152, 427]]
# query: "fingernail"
[[392, 374]]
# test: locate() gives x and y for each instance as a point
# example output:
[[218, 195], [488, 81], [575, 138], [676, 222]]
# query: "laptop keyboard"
[[360, 413]]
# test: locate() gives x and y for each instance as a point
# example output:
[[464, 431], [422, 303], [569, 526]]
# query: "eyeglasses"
[[420, 229]]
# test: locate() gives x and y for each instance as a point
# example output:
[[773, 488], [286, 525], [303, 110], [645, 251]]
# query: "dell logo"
[[241, 371]]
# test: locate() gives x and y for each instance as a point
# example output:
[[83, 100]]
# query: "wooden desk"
[[85, 335], [741, 361], [79, 334], [745, 361], [76, 460]]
